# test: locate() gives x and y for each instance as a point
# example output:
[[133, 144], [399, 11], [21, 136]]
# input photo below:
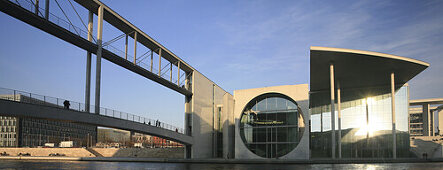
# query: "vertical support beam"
[[178, 73], [170, 72], [394, 136], [331, 72], [339, 119], [36, 7], [426, 121], [99, 59], [135, 47], [432, 124], [47, 9], [126, 47], [88, 65], [159, 62], [152, 59]]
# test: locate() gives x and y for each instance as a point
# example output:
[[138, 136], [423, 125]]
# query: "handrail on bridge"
[[30, 98]]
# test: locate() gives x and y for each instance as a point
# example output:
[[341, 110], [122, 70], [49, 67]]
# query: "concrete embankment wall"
[[69, 152], [141, 152]]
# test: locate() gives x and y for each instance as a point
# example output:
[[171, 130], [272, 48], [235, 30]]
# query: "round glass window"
[[271, 125]]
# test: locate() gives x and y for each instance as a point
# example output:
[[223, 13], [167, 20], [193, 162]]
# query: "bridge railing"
[[63, 21], [31, 98]]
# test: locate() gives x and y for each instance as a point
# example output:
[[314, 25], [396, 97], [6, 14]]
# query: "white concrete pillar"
[[426, 120], [99, 58], [331, 72], [394, 136], [88, 65], [339, 119]]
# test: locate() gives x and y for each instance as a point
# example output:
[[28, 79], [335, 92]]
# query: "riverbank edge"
[[222, 161]]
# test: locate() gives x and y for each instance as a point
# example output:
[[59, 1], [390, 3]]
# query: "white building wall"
[[299, 93]]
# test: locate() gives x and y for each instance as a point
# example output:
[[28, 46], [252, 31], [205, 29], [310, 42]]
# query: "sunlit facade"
[[366, 127]]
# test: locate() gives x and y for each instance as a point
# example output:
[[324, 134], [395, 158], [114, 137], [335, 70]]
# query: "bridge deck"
[[13, 108]]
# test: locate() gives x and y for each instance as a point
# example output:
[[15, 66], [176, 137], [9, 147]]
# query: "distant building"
[[108, 136], [426, 117], [153, 141], [30, 132]]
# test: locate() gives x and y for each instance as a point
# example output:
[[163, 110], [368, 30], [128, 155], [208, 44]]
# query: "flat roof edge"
[[344, 50]]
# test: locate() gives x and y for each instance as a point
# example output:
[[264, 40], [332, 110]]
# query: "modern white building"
[[356, 106]]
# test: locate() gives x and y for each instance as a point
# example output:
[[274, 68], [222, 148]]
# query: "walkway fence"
[[30, 98]]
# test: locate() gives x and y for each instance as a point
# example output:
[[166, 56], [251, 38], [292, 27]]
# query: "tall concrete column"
[[188, 119], [426, 120], [331, 72], [88, 66], [99, 59], [394, 136], [432, 124], [339, 119]]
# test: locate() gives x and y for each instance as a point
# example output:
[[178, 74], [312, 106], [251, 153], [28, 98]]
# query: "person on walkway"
[[66, 104]]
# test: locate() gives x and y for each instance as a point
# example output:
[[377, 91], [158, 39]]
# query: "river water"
[[18, 164]]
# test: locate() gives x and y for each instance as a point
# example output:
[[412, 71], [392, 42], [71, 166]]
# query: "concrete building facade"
[[426, 117]]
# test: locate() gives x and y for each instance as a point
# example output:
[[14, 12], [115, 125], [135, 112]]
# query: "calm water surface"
[[14, 164]]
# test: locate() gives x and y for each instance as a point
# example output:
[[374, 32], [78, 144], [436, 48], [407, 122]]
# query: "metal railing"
[[31, 98]]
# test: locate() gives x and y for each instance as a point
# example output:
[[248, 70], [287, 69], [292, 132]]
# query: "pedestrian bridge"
[[22, 104]]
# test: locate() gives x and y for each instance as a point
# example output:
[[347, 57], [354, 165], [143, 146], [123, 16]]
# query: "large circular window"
[[271, 125]]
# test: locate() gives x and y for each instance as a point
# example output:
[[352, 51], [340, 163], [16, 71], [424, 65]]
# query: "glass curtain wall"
[[366, 126], [271, 125]]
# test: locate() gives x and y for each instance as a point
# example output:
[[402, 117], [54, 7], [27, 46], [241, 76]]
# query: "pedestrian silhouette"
[[66, 104], [149, 123]]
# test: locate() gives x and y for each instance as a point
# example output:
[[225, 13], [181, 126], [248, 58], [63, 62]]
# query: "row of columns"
[[332, 89], [99, 56]]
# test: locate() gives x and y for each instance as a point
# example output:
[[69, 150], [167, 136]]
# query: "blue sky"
[[237, 44]]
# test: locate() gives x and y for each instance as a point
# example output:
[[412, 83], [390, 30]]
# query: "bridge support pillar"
[[88, 66], [188, 116], [99, 59]]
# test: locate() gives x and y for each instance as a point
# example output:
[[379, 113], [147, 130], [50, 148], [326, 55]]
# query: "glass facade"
[[30, 132], [271, 125], [366, 126]]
